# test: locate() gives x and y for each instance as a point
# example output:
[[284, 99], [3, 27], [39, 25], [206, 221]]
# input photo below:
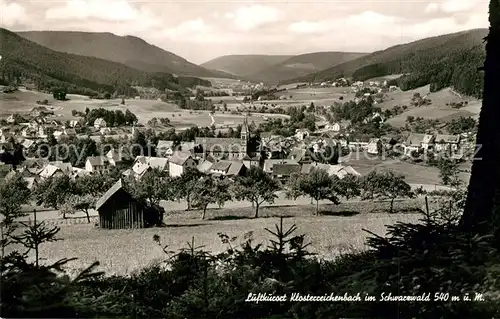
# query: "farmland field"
[[222, 81], [414, 174], [385, 78], [320, 95], [437, 110], [123, 251], [24, 101]]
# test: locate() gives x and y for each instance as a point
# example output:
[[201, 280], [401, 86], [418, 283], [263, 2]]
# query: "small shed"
[[118, 209]]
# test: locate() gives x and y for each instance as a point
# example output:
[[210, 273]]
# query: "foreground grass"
[[125, 251]]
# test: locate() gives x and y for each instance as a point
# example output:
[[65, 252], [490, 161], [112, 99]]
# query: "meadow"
[[23, 101], [337, 230], [437, 110], [415, 174]]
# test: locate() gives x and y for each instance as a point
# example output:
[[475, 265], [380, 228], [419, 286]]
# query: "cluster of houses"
[[40, 123], [278, 156], [355, 86], [222, 157], [423, 143]]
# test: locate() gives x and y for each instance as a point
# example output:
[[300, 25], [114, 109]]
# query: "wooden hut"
[[118, 209]]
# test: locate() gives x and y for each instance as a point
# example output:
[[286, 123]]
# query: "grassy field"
[[122, 251], [414, 173], [437, 110], [402, 97], [320, 95], [21, 101], [303, 96], [385, 78], [216, 82], [24, 101], [146, 109]]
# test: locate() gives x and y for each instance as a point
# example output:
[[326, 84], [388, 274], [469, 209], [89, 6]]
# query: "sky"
[[201, 30]]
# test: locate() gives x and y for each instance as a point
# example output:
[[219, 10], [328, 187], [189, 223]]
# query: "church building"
[[226, 148]]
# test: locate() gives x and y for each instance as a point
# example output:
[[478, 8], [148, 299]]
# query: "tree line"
[[199, 189], [114, 118]]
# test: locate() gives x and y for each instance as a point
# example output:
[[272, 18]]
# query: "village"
[[314, 152], [38, 145], [273, 150], [247, 160]]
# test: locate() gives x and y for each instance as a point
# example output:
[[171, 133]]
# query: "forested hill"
[[244, 65], [442, 61], [26, 60], [302, 64], [129, 50]]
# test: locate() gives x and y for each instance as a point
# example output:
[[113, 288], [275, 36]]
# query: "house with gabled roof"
[[418, 142], [50, 171], [228, 168], [28, 131], [69, 132], [269, 164], [338, 170], [375, 146], [78, 172], [44, 130], [165, 148], [143, 164], [5, 137], [114, 157], [204, 165], [27, 143], [320, 125], [100, 123], [445, 142], [342, 171], [74, 123], [179, 162], [65, 167], [283, 171], [30, 179], [159, 163], [35, 166], [97, 164], [250, 161], [137, 171], [302, 133]]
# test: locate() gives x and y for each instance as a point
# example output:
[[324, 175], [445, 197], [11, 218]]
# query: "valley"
[[130, 153]]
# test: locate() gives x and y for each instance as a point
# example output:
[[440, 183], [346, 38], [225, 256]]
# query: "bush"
[[414, 259]]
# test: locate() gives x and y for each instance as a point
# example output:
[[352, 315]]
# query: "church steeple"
[[244, 129], [244, 137]]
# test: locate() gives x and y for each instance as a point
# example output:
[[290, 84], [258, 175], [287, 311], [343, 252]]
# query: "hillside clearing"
[[437, 110]]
